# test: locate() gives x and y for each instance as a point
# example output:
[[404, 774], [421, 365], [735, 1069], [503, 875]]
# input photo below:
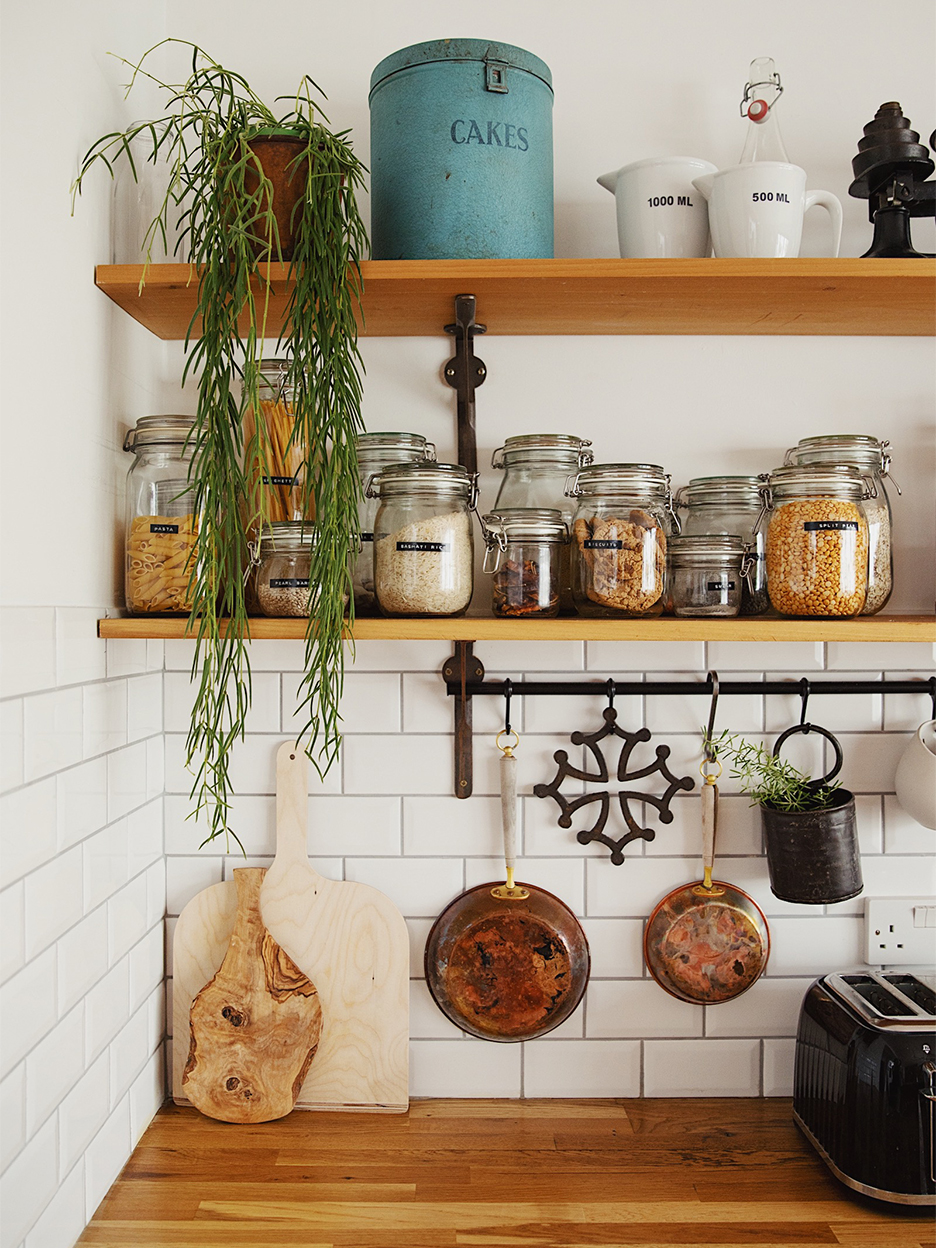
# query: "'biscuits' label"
[[822, 526], [592, 543], [431, 546]]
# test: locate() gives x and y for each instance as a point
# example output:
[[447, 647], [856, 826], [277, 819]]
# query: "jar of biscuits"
[[817, 540], [619, 532]]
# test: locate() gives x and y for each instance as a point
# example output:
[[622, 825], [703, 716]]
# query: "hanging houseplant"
[[250, 192]]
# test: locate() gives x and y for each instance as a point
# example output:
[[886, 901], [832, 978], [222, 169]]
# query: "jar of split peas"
[[162, 526]]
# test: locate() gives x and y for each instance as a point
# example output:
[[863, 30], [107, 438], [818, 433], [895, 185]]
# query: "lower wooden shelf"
[[485, 628]]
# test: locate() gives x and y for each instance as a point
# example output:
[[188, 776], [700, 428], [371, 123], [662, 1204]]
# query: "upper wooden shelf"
[[485, 628], [406, 298]]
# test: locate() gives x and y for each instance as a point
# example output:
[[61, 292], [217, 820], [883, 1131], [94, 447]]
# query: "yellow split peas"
[[817, 557]]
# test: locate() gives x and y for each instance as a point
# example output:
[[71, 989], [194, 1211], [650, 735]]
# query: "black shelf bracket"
[[464, 679], [464, 373]]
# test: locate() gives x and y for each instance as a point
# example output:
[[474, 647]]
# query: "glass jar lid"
[[411, 446], [563, 449], [705, 549], [152, 430], [706, 491], [646, 482], [812, 480], [287, 537], [448, 480], [524, 524], [860, 450]]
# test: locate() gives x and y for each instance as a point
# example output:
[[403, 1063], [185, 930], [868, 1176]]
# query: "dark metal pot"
[[812, 855]]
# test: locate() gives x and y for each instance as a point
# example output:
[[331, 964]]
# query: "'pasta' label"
[[821, 526], [289, 582], [591, 543], [717, 586], [430, 546], [164, 528], [279, 480], [367, 537]]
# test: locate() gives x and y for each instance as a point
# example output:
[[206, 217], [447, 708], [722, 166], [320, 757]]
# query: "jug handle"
[[825, 199]]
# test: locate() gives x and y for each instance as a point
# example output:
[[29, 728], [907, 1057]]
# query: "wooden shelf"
[[485, 628], [404, 298]]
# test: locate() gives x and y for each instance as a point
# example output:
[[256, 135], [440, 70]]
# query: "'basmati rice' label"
[[431, 546]]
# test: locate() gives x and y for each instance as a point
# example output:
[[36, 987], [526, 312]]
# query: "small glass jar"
[[376, 451], [725, 505], [619, 532], [162, 525], [536, 469], [423, 545], [817, 540], [523, 547], [283, 566], [872, 458], [707, 573]]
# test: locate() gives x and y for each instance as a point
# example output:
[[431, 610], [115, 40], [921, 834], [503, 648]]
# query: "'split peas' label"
[[835, 526]]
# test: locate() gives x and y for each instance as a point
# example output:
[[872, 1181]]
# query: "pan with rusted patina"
[[707, 942], [507, 961]]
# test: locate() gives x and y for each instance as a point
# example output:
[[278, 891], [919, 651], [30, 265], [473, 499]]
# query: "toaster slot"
[[917, 990], [878, 995]]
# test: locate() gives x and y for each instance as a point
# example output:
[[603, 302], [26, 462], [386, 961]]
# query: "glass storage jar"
[[706, 573], [817, 540], [523, 547], [284, 559], [619, 532], [872, 458], [730, 505], [162, 525], [376, 451], [536, 468], [273, 457], [423, 548]]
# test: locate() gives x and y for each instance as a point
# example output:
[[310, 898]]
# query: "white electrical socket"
[[900, 931]]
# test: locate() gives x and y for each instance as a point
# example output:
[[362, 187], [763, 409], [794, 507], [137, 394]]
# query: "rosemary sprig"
[[770, 781]]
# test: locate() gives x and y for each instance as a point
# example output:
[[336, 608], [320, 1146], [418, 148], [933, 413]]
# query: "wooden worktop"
[[494, 1173]]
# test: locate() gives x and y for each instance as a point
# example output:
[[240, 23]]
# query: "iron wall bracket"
[[464, 373]]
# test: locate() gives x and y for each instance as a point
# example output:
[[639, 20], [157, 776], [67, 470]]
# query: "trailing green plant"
[[221, 204], [771, 781]]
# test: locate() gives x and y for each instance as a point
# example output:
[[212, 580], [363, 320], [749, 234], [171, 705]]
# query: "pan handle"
[[508, 776]]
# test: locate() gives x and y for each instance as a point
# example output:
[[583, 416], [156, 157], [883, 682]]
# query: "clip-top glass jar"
[[376, 451], [274, 457], [284, 557], [523, 546], [707, 573], [423, 547], [536, 468], [817, 540], [872, 458], [162, 526], [728, 505], [619, 533]]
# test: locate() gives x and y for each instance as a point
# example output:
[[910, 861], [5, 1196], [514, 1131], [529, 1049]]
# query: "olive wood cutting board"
[[349, 939]]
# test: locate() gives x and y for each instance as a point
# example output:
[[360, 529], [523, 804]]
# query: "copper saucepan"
[[707, 942], [507, 961]]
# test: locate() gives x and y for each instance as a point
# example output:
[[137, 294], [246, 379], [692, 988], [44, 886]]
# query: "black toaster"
[[864, 1083]]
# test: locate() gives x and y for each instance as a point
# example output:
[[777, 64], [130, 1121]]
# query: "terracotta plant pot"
[[279, 156]]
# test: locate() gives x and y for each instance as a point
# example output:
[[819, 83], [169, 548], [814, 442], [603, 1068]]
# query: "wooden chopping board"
[[349, 939]]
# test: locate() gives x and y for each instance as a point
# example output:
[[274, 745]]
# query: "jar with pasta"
[[817, 540], [162, 525], [872, 458], [619, 532], [423, 547], [376, 451]]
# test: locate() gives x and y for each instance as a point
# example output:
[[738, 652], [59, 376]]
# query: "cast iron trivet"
[[625, 796]]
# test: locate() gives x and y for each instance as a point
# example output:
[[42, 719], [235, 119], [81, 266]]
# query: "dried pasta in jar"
[[160, 564]]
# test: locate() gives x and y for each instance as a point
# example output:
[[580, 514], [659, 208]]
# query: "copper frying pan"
[[707, 942], [507, 961]]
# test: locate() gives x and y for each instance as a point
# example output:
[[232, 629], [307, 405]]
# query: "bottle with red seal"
[[761, 93]]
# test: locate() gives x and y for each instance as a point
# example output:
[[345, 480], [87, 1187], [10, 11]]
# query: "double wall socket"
[[900, 931]]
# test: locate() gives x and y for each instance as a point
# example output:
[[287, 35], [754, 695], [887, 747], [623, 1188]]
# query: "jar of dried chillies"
[[523, 554], [162, 525]]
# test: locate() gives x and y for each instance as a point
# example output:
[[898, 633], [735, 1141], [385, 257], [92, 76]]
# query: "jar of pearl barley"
[[283, 566], [817, 540]]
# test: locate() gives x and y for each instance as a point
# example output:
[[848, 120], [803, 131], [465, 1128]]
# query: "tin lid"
[[858, 449], [625, 480], [564, 449], [516, 524], [702, 491], [460, 50], [152, 430], [287, 537], [816, 480], [406, 446], [701, 550], [892, 999], [421, 478]]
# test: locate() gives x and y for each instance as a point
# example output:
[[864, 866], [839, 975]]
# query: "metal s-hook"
[[804, 692], [932, 692], [710, 754], [609, 686], [508, 692]]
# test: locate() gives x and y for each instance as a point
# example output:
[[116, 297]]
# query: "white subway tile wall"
[[82, 907], [98, 847]]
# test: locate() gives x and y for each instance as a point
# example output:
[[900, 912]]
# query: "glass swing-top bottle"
[[761, 93]]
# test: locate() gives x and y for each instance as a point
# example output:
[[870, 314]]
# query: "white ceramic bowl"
[[915, 781]]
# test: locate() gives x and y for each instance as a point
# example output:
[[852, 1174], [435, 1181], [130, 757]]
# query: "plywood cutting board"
[[349, 939]]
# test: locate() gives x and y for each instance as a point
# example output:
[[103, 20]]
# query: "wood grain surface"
[[531, 1174]]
